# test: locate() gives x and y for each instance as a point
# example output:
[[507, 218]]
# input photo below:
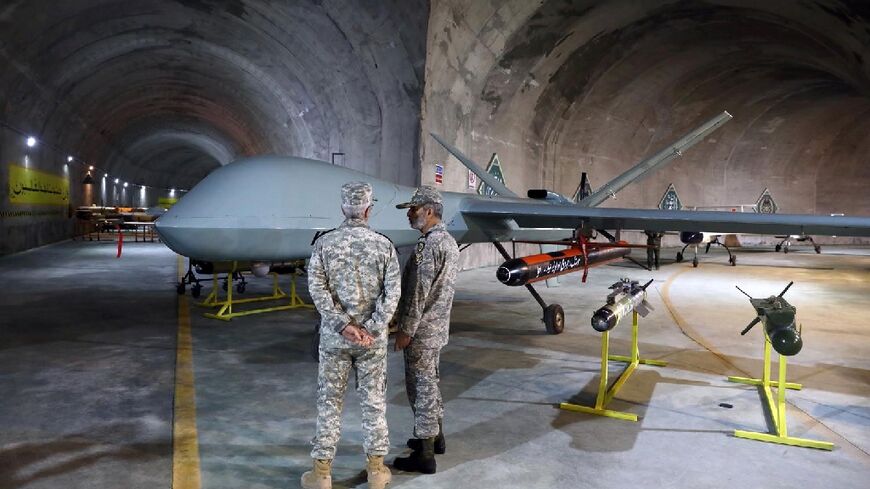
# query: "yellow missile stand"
[[777, 407], [605, 395], [225, 313]]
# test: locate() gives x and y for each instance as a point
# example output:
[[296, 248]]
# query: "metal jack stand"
[[605, 395], [225, 313], [776, 407]]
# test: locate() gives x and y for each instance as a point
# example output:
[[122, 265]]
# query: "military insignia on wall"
[[765, 203], [670, 200], [494, 169], [584, 189]]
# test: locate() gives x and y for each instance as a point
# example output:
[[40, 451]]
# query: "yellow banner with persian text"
[[28, 186]]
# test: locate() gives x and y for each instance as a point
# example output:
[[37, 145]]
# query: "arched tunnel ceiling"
[[165, 91], [598, 81]]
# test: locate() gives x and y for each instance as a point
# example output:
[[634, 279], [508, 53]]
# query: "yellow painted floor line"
[[684, 326], [185, 443]]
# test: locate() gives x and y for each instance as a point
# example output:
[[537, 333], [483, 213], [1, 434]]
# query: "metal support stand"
[[211, 300], [776, 407], [605, 395], [225, 313]]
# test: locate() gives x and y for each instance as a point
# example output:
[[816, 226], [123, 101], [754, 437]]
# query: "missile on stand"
[[778, 317], [627, 296]]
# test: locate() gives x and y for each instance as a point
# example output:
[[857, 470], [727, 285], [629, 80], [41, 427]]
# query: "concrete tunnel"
[[160, 93], [118, 373]]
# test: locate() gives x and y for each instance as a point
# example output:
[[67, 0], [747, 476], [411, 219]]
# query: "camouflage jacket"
[[427, 288], [353, 276]]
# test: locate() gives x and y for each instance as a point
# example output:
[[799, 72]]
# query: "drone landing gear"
[[240, 286], [554, 316], [680, 256], [189, 278], [732, 258], [786, 242]]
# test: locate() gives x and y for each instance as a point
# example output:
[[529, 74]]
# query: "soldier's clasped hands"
[[358, 335]]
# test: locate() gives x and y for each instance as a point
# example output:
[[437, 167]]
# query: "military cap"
[[424, 195], [356, 193]]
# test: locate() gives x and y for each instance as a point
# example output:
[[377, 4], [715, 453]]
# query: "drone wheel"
[[554, 319]]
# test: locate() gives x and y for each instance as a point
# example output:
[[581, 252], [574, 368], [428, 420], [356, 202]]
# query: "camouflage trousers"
[[421, 383], [332, 378]]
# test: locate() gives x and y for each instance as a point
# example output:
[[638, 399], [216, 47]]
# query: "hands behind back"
[[358, 335]]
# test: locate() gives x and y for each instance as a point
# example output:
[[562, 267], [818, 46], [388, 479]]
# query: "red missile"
[[522, 271]]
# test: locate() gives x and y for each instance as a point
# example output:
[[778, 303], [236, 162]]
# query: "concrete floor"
[[87, 366]]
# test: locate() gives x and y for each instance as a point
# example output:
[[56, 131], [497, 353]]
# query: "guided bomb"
[[779, 323], [525, 270], [626, 296]]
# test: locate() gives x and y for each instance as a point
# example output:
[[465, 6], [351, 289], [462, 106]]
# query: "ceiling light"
[[125, 184], [90, 168], [117, 180], [31, 141], [70, 158]]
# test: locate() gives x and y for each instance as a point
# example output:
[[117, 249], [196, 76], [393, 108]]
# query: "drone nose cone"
[[787, 342]]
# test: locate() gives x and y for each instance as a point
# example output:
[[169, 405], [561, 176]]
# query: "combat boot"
[[320, 477], [440, 443], [378, 473], [422, 460]]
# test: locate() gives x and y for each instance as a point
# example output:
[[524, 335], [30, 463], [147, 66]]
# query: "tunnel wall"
[[24, 226]]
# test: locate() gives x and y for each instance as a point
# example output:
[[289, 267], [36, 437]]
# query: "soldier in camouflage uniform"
[[424, 324], [353, 279], [654, 244]]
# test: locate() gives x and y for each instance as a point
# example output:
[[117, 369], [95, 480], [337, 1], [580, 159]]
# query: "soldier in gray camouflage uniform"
[[424, 324], [353, 279]]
